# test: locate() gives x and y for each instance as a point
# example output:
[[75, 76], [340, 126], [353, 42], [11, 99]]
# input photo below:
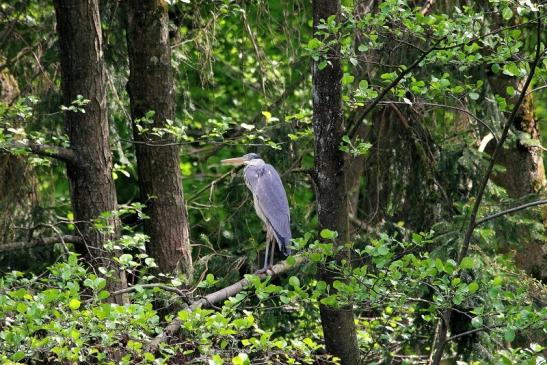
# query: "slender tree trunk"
[[332, 206], [151, 89], [91, 184]]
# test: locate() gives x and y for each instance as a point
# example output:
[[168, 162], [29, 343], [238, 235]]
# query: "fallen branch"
[[60, 153], [221, 295], [12, 246]]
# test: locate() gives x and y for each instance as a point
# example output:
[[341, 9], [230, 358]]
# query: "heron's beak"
[[236, 161]]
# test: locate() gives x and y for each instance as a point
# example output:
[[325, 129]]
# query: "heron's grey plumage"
[[270, 201]]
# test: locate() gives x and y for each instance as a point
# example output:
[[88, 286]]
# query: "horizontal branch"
[[60, 153], [221, 295], [470, 332], [12, 246], [512, 210]]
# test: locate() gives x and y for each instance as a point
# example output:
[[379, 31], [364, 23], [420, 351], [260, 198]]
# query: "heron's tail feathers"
[[285, 246]]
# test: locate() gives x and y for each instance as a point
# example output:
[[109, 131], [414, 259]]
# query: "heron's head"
[[243, 160]]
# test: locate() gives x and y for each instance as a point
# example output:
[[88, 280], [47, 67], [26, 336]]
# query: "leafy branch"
[[444, 322], [224, 294]]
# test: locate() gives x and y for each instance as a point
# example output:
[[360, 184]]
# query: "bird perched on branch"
[[270, 201]]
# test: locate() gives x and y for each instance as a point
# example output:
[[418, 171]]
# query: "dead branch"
[[221, 295]]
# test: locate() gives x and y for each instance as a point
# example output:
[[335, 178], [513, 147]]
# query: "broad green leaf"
[[74, 304], [328, 234], [473, 287], [467, 263]]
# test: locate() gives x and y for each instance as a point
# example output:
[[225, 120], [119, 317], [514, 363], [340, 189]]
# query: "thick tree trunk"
[[332, 206], [151, 89], [91, 183]]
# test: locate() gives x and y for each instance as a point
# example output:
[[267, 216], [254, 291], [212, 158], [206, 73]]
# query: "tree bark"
[[91, 184], [332, 206], [151, 89]]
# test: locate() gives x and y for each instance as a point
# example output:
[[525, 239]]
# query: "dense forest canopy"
[[408, 136]]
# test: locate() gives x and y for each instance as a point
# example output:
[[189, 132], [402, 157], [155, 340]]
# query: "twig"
[[12, 246], [211, 184], [364, 112], [511, 210], [220, 295], [470, 332]]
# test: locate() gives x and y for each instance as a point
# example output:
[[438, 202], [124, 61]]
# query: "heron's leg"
[[267, 249], [272, 252]]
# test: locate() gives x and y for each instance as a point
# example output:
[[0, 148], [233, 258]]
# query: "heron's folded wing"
[[272, 199]]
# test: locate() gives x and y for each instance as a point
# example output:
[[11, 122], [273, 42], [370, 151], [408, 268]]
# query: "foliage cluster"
[[242, 83]]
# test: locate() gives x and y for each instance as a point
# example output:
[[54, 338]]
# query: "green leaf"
[[476, 322], [21, 307], [328, 234], [314, 43], [509, 335], [347, 79], [473, 96], [473, 287], [294, 281], [511, 69], [19, 355], [467, 263], [330, 300], [216, 360], [74, 304], [149, 356], [498, 280], [507, 13], [291, 260], [241, 359]]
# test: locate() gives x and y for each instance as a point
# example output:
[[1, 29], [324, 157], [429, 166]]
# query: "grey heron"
[[270, 202]]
